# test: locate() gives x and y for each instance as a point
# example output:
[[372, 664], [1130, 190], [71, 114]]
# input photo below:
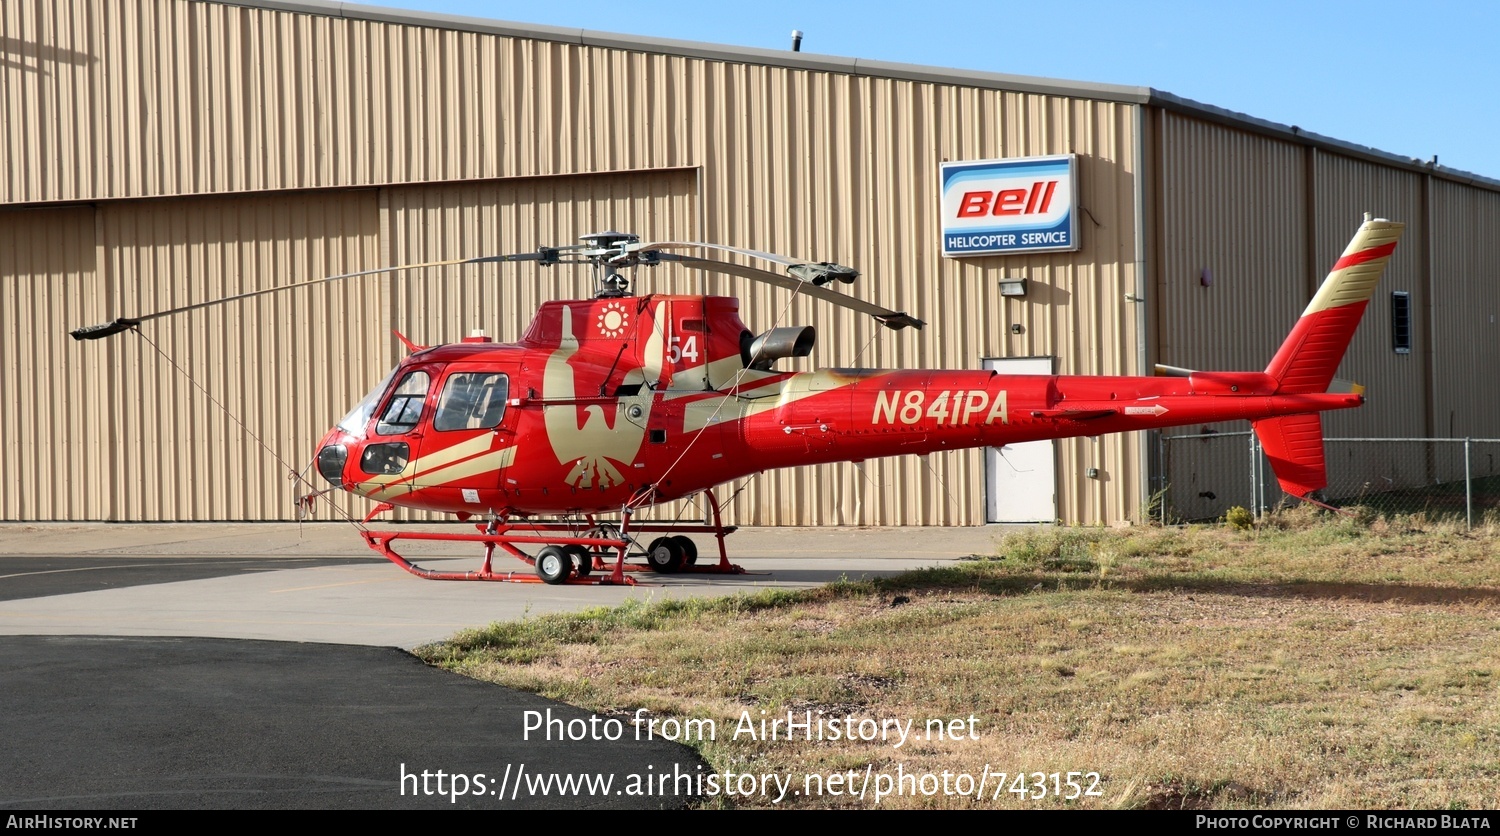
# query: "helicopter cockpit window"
[[472, 401], [385, 459], [359, 417], [405, 407]]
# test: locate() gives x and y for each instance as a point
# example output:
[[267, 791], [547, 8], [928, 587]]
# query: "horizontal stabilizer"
[[1294, 446]]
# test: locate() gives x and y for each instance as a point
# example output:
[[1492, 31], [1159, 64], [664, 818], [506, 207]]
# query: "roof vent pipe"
[[796, 40]]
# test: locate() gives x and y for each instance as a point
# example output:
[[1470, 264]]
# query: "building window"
[[1401, 321]]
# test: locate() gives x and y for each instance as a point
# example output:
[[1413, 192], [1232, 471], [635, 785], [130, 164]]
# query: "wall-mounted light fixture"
[[1012, 287]]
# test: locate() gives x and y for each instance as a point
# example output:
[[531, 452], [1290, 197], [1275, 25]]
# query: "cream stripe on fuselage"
[[496, 461], [752, 402], [473, 454]]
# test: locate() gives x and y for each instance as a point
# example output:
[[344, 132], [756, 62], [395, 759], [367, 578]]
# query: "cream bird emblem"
[[595, 451]]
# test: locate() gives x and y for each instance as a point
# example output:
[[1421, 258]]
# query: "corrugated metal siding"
[[1466, 301], [810, 163], [126, 99], [1232, 204], [49, 74], [106, 99], [286, 365], [137, 98], [428, 223], [180, 96], [56, 435], [1395, 383], [1248, 210], [869, 199]]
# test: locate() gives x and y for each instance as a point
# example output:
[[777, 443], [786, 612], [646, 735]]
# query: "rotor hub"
[[604, 250], [608, 240]]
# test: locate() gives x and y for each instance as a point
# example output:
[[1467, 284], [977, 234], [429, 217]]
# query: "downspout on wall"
[[1143, 445]]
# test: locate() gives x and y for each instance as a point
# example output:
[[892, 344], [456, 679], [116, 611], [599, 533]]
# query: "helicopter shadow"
[[1370, 593], [754, 578]]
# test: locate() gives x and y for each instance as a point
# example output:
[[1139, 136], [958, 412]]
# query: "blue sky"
[[1414, 79]]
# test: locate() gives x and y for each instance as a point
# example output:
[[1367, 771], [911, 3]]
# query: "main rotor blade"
[[895, 320], [682, 245], [96, 332]]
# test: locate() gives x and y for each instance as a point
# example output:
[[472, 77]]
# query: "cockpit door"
[[472, 438], [392, 450]]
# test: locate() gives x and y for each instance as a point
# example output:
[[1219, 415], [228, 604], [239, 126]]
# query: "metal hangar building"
[[161, 152]]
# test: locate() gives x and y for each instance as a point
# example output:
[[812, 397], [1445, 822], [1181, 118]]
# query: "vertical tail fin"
[[1311, 354]]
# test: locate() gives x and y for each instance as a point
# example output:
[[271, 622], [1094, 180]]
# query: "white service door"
[[1021, 479]]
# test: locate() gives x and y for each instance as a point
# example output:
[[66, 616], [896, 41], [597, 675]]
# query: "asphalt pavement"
[[117, 723], [264, 666], [320, 583]]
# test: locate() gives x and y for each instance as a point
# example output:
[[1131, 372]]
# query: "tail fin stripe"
[[1365, 255], [1354, 284]]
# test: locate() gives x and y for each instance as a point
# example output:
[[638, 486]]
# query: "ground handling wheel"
[[665, 555], [553, 565], [688, 548], [583, 559]]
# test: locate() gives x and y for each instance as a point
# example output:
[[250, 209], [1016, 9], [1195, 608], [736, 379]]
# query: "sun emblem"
[[613, 319]]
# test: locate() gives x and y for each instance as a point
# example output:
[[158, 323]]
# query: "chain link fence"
[[1201, 476]]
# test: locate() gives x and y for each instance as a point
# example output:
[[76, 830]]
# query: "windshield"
[[359, 418]]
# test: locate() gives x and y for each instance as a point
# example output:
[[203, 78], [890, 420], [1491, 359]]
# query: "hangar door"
[[208, 410], [1021, 479], [54, 442]]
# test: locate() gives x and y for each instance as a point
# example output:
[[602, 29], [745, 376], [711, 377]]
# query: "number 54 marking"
[[679, 350]]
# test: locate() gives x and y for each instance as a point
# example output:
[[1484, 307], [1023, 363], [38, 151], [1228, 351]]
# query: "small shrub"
[[1238, 518]]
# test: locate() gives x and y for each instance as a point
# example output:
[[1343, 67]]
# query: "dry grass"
[[1303, 663]]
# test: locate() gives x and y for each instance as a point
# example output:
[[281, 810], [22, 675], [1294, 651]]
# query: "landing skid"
[[566, 556]]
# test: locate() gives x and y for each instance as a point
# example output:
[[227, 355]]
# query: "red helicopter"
[[610, 404]]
